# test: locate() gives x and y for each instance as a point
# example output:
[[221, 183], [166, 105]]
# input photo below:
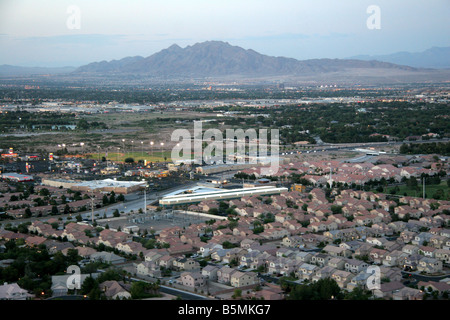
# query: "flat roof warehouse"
[[219, 195], [106, 185], [17, 177]]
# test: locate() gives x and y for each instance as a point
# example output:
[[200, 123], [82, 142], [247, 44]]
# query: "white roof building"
[[13, 292]]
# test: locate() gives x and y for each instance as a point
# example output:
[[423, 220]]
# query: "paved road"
[[425, 278]]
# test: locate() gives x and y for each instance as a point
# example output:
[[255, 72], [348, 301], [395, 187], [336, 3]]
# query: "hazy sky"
[[50, 33]]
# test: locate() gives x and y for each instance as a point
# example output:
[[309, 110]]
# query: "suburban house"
[[387, 289], [224, 274], [336, 251], [116, 290], [192, 280], [320, 259], [394, 258], [185, 264], [342, 278], [12, 291], [355, 266], [407, 293], [242, 279], [210, 272], [148, 268], [429, 265], [360, 280], [323, 273], [107, 257], [306, 271]]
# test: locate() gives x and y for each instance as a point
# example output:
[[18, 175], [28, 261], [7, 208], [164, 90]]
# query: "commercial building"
[[17, 177], [222, 194], [106, 185]]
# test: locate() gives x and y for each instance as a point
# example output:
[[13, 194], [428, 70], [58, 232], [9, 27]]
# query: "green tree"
[[55, 210], [323, 289], [237, 293], [88, 285]]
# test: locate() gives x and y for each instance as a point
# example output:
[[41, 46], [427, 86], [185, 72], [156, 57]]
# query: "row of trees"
[[442, 148], [139, 289], [33, 267], [351, 123]]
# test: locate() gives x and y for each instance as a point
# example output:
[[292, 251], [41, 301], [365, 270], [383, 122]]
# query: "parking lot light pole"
[[145, 197]]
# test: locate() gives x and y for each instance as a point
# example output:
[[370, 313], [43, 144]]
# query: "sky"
[[56, 33]]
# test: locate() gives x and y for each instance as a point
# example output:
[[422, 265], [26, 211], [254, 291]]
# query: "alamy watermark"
[[373, 282], [374, 20], [74, 280], [74, 20], [241, 147]]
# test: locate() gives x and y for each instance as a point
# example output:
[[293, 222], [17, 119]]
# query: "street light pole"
[[92, 206], [145, 197], [151, 143]]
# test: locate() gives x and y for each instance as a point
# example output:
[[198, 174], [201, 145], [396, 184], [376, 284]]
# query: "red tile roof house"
[[166, 261], [109, 234], [9, 235], [84, 252], [40, 227], [385, 215], [427, 251], [377, 255], [207, 205], [246, 211], [268, 292], [34, 241], [77, 232], [317, 226], [131, 247], [181, 249], [367, 219]]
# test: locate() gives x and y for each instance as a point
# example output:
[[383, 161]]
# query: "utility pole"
[[331, 179], [423, 187], [145, 200], [92, 206], [145, 197]]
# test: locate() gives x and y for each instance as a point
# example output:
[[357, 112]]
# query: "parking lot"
[[153, 220]]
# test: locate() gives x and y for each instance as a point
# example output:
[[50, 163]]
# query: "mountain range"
[[436, 57], [216, 58], [221, 60]]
